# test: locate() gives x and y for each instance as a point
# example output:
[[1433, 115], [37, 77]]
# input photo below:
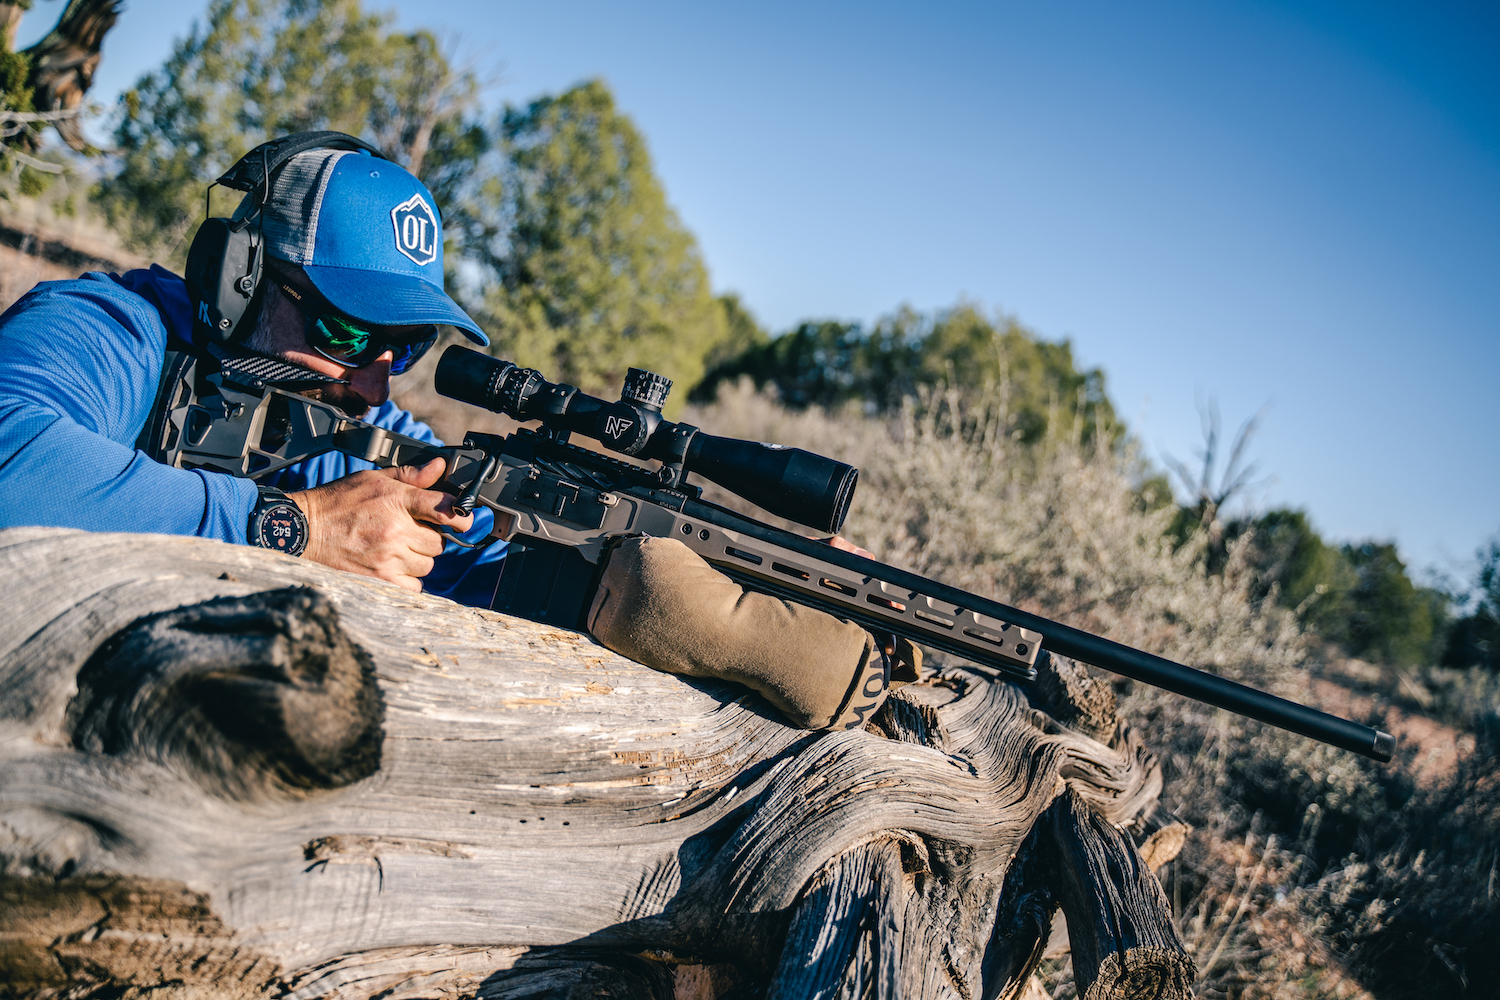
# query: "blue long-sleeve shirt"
[[80, 362]]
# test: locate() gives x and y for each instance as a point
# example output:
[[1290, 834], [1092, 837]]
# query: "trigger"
[[455, 538]]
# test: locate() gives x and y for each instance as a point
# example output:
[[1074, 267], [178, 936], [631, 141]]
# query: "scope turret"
[[646, 388]]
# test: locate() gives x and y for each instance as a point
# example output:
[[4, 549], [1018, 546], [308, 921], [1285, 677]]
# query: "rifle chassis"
[[559, 506]]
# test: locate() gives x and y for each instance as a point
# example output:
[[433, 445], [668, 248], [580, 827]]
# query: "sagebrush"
[[1311, 872]]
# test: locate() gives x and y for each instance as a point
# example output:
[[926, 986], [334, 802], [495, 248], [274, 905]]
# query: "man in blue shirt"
[[334, 264], [351, 287]]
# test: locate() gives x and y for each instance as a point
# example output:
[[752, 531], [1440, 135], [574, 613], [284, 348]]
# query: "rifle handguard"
[[660, 604]]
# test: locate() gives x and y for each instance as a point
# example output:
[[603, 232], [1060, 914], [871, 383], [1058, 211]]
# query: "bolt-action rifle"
[[558, 505]]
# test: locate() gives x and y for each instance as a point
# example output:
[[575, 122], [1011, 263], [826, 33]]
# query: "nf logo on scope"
[[615, 427], [416, 229]]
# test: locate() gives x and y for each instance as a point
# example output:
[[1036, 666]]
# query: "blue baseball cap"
[[367, 234]]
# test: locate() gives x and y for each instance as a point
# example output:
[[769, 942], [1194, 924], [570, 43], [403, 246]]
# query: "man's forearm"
[[54, 473]]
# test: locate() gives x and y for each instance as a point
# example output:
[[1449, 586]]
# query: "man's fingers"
[[417, 567], [411, 583], [407, 567], [427, 542], [422, 476], [437, 508], [840, 542], [431, 505]]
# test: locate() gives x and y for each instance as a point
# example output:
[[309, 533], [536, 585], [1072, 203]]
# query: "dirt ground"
[[1431, 747], [30, 253]]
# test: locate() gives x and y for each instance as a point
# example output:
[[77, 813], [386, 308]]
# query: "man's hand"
[[840, 542], [379, 522]]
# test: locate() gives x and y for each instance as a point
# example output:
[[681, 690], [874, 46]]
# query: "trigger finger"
[[427, 543]]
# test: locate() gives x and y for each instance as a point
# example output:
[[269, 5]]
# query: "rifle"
[[558, 505]]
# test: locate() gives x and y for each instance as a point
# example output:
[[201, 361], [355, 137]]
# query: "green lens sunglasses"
[[346, 342]]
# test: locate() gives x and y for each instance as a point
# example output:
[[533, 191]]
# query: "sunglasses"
[[351, 344]]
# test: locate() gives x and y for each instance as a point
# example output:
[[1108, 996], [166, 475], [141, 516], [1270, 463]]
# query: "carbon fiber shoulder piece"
[[258, 370]]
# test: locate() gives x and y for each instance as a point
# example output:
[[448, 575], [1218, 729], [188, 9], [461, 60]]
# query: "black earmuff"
[[223, 275], [226, 262]]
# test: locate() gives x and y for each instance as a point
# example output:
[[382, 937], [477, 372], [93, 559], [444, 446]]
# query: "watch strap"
[[270, 494], [277, 523]]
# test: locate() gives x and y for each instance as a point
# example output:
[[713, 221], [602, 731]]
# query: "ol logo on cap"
[[416, 229]]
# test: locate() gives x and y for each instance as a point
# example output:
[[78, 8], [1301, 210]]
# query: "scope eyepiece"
[[480, 380]]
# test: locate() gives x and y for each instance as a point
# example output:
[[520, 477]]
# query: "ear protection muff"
[[226, 263], [223, 276]]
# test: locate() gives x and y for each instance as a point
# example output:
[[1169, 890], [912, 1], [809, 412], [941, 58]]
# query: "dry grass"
[[1311, 872], [49, 219], [20, 271]]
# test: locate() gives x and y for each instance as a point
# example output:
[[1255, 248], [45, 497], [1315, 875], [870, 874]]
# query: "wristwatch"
[[277, 523]]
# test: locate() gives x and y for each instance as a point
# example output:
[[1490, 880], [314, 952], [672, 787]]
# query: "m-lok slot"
[[1020, 649], [984, 636]]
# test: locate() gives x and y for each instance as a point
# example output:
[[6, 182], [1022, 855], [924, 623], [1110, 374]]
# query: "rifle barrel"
[[1106, 654], [1210, 688]]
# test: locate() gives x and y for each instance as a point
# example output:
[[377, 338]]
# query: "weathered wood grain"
[[1124, 944], [238, 772]]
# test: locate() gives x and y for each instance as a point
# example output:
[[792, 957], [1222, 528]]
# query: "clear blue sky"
[[1293, 202]]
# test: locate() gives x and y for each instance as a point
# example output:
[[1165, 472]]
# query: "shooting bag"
[[660, 604]]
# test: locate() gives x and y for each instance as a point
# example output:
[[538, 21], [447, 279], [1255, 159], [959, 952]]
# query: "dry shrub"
[[1450, 695], [1312, 872]]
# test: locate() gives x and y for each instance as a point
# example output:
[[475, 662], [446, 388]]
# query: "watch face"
[[280, 527]]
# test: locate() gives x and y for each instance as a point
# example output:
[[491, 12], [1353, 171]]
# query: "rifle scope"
[[788, 482]]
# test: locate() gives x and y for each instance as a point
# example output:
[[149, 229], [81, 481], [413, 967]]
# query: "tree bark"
[[63, 64], [230, 772], [10, 23]]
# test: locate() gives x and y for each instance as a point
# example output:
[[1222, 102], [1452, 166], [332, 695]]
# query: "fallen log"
[[231, 772]]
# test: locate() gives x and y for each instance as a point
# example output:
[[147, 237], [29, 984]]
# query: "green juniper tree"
[[1358, 596], [1474, 640], [1041, 379], [596, 273], [256, 69], [820, 363], [742, 332], [830, 363], [1390, 618]]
